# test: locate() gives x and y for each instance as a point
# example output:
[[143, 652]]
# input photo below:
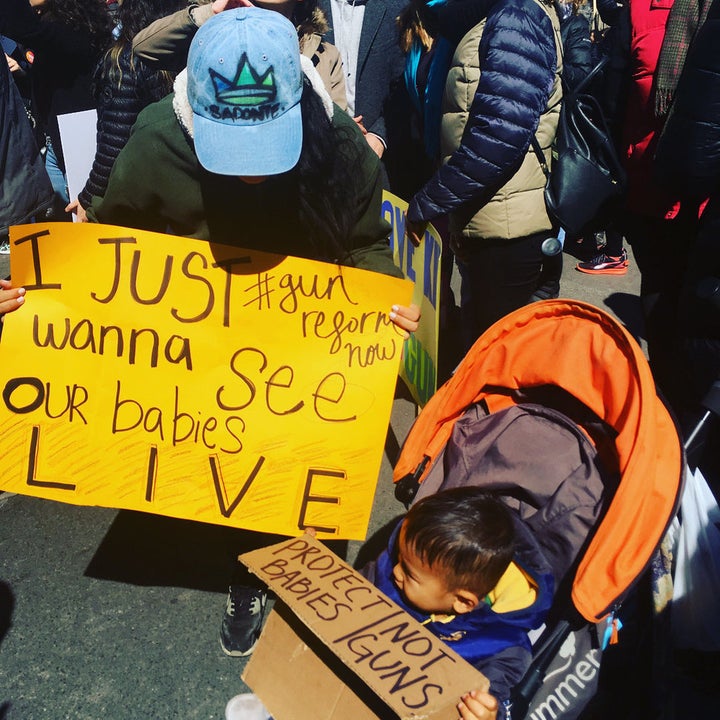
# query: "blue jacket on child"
[[496, 643]]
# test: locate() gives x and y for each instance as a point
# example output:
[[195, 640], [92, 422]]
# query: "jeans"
[[57, 177]]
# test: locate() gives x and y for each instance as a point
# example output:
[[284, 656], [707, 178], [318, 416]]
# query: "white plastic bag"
[[696, 579], [246, 706]]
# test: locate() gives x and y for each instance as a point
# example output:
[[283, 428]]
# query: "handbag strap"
[[540, 156], [590, 76], [582, 85], [565, 99]]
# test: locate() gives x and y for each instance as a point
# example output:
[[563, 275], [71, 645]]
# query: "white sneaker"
[[5, 247], [246, 707]]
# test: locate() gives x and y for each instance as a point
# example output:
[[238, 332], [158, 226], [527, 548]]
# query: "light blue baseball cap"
[[244, 86]]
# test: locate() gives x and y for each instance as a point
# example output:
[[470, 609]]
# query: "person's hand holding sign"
[[406, 318], [11, 298], [478, 706], [415, 231]]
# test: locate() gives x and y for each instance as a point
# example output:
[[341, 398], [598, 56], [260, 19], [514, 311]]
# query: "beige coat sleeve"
[[165, 44], [328, 63]]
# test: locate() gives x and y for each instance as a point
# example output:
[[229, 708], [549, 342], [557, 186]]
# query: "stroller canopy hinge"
[[406, 487]]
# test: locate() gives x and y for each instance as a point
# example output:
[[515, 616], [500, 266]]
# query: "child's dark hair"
[[464, 534]]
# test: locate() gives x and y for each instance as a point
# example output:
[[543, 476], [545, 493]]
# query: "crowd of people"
[[438, 101], [453, 128]]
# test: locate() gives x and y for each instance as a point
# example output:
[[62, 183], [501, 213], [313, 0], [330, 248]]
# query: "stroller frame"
[[590, 358]]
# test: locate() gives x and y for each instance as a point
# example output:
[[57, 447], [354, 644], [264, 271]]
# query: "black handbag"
[[587, 178]]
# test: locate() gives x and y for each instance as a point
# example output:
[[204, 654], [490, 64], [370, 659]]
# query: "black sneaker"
[[242, 622], [549, 290]]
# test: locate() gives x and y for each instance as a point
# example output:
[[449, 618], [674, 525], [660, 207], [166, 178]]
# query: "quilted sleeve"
[[517, 65]]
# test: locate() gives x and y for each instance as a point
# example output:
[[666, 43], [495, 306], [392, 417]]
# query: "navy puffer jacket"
[[118, 106], [518, 60], [577, 50]]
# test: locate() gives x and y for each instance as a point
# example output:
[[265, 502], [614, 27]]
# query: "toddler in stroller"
[[554, 411], [466, 567]]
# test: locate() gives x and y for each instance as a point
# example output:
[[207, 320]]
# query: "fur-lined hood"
[[315, 24]]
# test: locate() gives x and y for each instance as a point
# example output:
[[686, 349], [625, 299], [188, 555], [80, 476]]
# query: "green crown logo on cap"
[[248, 88]]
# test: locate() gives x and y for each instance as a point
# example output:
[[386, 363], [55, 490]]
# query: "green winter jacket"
[[157, 184]]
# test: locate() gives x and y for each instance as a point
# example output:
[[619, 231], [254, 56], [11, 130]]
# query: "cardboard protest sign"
[[195, 380], [350, 630], [422, 266]]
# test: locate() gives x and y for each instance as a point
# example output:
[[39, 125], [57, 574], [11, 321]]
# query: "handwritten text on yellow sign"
[[195, 380]]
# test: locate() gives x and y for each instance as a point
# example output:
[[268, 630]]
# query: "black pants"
[[497, 278], [662, 249]]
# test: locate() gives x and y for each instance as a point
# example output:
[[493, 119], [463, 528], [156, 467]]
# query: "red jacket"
[[647, 23]]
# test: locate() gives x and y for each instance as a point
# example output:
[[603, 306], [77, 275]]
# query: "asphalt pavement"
[[108, 614]]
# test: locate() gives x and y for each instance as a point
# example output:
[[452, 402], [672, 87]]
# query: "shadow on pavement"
[[145, 549], [628, 309], [7, 605], [376, 543]]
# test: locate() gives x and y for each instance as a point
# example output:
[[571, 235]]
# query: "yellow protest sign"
[[195, 380], [421, 265]]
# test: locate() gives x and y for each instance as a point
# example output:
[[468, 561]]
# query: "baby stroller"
[[555, 410]]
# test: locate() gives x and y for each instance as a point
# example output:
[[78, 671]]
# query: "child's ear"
[[465, 601]]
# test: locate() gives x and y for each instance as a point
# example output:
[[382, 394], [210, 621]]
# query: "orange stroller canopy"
[[586, 352]]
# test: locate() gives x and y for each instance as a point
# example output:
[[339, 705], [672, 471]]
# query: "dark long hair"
[[89, 15], [327, 179], [133, 16], [415, 21]]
